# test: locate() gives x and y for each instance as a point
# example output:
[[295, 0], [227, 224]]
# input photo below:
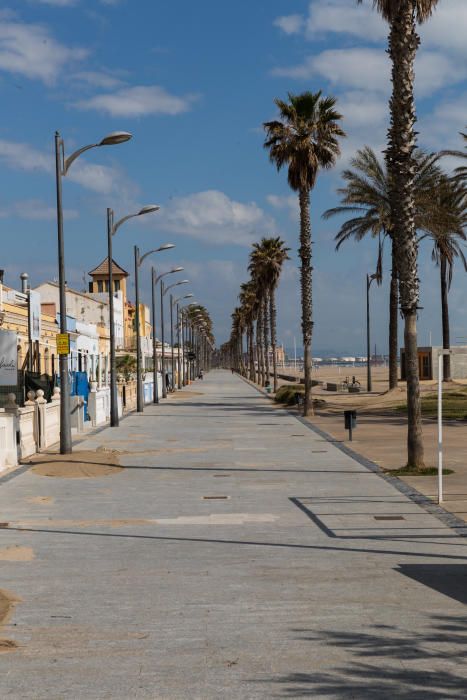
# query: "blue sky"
[[193, 82]]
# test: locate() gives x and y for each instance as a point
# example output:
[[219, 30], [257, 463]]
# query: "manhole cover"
[[388, 517]]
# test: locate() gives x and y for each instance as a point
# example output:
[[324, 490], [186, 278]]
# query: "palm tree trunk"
[[403, 44], [251, 354], [272, 315], [306, 290], [258, 346], [393, 322], [445, 318], [266, 335]]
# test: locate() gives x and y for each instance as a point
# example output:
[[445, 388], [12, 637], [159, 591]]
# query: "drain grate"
[[298, 436], [215, 498], [318, 452], [222, 476], [388, 517]]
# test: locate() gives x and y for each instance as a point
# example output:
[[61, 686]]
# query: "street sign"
[[8, 358], [63, 343]]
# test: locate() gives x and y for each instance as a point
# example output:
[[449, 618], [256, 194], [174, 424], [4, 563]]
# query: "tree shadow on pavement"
[[386, 663]]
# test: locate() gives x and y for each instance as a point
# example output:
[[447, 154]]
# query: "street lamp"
[[62, 165], [369, 279], [112, 228], [164, 290], [154, 279], [175, 303], [138, 262]]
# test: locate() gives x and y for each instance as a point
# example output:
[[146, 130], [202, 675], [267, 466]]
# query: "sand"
[[7, 604], [78, 465], [16, 553]]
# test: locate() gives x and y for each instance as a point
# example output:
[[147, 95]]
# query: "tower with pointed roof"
[[100, 278]]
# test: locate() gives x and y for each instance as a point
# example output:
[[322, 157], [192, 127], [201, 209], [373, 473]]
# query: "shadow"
[[243, 543], [448, 579], [385, 662]]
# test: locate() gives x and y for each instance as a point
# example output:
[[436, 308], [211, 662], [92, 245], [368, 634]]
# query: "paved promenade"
[[237, 554]]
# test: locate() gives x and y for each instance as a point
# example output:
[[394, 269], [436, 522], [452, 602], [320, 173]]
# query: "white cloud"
[[138, 101], [446, 29], [369, 69], [290, 24], [100, 79], [35, 210], [103, 179], [289, 202], [213, 217], [29, 50]]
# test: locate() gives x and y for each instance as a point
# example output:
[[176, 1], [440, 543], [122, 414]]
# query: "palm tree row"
[[440, 213], [305, 140], [255, 317]]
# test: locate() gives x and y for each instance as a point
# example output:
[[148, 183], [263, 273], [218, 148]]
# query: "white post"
[[440, 427], [99, 370]]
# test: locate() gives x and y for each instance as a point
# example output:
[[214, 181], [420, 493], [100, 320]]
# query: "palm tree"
[[305, 139], [446, 228], [267, 258], [365, 198], [402, 16], [460, 175], [247, 299]]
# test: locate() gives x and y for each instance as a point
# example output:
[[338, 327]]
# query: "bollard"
[[350, 422]]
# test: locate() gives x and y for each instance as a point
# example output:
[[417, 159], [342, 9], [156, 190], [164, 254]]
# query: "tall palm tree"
[[365, 198], [305, 139], [247, 299], [403, 16], [267, 258], [446, 228]]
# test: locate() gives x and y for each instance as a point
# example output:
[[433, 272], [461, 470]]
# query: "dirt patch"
[[41, 500], [78, 465], [16, 553], [7, 604]]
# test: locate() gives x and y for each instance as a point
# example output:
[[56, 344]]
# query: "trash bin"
[[350, 419]]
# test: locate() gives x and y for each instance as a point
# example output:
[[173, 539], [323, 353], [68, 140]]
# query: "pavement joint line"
[[452, 521]]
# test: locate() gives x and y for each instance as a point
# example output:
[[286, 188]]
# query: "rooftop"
[[103, 269]]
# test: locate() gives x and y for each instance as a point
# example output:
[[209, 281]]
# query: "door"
[[424, 365]]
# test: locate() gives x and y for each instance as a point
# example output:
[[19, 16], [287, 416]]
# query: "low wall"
[[99, 404], [8, 449]]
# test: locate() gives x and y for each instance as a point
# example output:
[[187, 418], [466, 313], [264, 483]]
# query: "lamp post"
[[369, 279], [155, 279], [175, 303], [62, 165], [138, 262], [112, 229], [164, 290]]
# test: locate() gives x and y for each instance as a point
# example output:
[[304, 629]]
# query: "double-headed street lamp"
[[164, 290], [62, 165], [369, 279], [154, 280], [174, 302], [112, 228], [139, 380]]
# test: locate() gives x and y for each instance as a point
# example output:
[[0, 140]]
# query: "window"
[[100, 286], [106, 285], [116, 285]]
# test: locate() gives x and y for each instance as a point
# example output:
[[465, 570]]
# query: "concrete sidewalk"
[[238, 554]]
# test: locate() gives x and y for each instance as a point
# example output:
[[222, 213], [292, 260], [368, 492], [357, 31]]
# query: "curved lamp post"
[[138, 262], [62, 166], [154, 280], [175, 303], [112, 228], [164, 290]]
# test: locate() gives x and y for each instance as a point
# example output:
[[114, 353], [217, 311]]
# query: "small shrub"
[[286, 393]]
